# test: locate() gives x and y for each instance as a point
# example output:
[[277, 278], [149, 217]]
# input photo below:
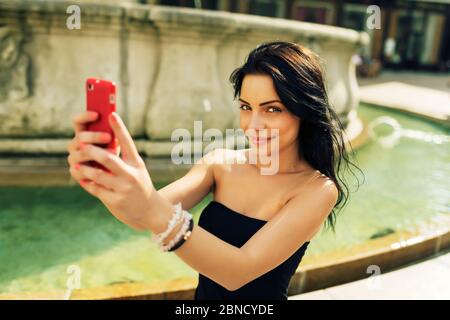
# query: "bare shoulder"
[[220, 157], [321, 188], [327, 190]]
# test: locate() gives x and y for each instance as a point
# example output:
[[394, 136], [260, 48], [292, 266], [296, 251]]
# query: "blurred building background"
[[414, 34]]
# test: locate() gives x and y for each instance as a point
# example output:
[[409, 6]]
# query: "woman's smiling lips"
[[259, 140]]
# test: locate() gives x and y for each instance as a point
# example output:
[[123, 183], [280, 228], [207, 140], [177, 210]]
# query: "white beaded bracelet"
[[187, 218], [176, 217]]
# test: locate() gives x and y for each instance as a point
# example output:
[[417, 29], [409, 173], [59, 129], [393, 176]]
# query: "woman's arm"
[[275, 242], [195, 185]]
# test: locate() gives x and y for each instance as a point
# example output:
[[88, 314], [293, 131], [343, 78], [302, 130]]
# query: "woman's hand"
[[127, 190]]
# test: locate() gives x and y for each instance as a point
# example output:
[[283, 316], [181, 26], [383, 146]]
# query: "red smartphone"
[[101, 98]]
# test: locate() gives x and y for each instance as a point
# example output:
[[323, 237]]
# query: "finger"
[[99, 176], [90, 186], [81, 119], [129, 150], [93, 137], [76, 156], [106, 158], [98, 191], [75, 173], [70, 146], [88, 137], [115, 151]]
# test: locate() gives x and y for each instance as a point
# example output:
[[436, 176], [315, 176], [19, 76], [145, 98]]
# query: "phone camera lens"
[[90, 87]]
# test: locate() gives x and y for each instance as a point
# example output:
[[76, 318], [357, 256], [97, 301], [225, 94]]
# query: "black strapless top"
[[236, 229]]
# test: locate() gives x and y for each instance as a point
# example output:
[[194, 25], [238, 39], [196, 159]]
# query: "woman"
[[252, 236]]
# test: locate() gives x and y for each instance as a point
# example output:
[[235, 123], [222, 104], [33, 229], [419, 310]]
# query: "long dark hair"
[[298, 77]]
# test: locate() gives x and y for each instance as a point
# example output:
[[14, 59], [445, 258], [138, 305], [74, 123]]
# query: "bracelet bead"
[[185, 237], [187, 218]]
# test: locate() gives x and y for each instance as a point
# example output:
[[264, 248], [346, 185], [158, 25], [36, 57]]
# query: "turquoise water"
[[45, 230]]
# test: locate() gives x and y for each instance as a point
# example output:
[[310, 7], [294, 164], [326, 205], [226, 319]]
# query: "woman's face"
[[261, 108]]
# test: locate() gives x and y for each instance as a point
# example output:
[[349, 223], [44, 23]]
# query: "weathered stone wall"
[[171, 66]]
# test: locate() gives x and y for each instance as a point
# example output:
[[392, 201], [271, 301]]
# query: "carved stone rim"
[[173, 16]]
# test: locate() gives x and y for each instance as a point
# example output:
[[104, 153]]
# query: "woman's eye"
[[273, 108]]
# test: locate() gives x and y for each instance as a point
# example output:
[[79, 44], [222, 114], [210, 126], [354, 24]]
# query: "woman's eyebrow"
[[261, 104]]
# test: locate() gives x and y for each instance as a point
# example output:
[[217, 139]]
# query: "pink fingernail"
[[84, 181], [82, 145], [105, 136], [77, 166], [113, 117]]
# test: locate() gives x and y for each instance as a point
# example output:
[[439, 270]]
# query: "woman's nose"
[[256, 122]]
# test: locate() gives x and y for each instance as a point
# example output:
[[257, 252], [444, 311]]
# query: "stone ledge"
[[179, 15], [54, 171], [410, 99]]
